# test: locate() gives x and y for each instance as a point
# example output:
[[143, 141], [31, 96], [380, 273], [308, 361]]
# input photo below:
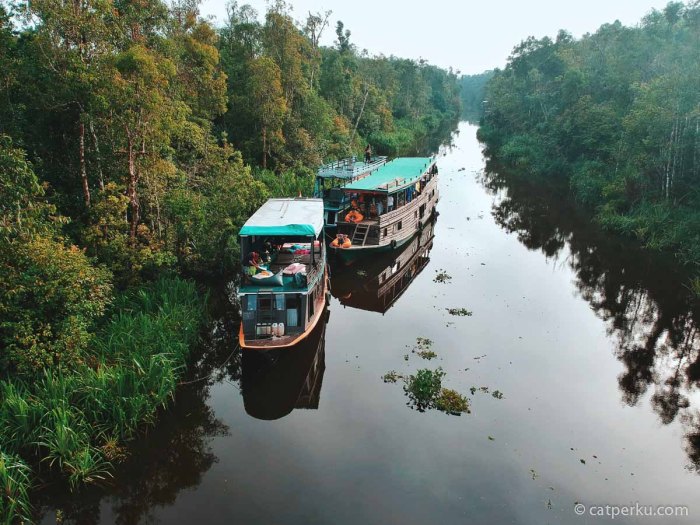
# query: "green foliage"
[[50, 298], [424, 387], [14, 483], [615, 113], [452, 402], [72, 419]]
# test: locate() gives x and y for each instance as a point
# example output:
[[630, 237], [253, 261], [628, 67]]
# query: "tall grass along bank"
[[72, 423]]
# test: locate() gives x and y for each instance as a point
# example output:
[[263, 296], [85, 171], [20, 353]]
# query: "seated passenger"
[[254, 263]]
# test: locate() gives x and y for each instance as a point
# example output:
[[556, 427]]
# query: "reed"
[[73, 420], [15, 484]]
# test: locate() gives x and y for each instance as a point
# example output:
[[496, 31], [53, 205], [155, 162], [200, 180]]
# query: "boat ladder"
[[361, 232]]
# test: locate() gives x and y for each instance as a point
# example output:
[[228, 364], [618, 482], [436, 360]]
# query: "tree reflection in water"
[[641, 296]]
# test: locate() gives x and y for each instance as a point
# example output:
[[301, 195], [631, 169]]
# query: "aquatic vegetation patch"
[[442, 276], [423, 348], [497, 394], [425, 354], [461, 312], [424, 387], [452, 402], [391, 377]]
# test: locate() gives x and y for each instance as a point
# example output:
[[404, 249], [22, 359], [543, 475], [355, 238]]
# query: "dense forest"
[[135, 139], [472, 92], [614, 115]]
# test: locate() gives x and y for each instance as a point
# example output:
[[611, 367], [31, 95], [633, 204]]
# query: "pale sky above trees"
[[469, 35]]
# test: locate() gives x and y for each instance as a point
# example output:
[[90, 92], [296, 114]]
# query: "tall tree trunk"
[[101, 178], [131, 189], [83, 168], [264, 159], [357, 122]]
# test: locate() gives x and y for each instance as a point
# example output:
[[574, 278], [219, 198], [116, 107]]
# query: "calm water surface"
[[592, 344]]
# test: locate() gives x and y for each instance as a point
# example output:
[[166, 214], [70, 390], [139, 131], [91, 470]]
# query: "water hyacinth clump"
[[423, 388], [73, 420], [452, 402]]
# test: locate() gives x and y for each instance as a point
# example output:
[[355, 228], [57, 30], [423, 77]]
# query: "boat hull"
[[348, 255]]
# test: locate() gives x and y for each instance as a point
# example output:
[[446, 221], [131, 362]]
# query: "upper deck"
[[349, 168], [283, 232], [393, 176]]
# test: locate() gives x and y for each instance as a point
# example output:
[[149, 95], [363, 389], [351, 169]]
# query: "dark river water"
[[592, 344]]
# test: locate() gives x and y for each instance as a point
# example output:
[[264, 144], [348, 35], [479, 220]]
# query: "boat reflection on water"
[[376, 284], [276, 382]]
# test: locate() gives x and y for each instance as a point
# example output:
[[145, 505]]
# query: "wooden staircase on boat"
[[361, 232]]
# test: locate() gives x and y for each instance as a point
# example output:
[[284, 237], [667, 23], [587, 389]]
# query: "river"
[[589, 345]]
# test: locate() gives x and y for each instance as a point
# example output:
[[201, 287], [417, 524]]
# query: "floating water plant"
[[461, 312], [391, 377], [452, 402], [423, 348], [424, 387], [442, 276]]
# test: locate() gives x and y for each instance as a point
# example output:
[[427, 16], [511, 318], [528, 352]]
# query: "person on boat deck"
[[368, 153], [390, 203], [268, 250], [254, 263], [380, 207]]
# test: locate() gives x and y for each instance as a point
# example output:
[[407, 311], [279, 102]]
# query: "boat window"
[[399, 225], [251, 302], [279, 302], [264, 303], [386, 231], [292, 301]]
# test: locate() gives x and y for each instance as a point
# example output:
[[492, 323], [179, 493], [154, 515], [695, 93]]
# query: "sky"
[[468, 35]]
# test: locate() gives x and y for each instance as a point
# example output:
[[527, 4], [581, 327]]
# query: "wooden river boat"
[[386, 208], [285, 277]]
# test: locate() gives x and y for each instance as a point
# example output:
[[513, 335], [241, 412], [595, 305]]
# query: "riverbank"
[[71, 425], [619, 127]]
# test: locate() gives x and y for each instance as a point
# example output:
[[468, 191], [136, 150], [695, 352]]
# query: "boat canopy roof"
[[286, 217], [393, 175], [349, 168]]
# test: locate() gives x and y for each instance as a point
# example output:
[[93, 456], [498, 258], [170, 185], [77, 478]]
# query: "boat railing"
[[350, 167]]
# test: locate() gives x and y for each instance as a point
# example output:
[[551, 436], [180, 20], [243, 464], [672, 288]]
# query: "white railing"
[[350, 168]]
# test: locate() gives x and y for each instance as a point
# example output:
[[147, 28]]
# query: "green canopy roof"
[[393, 176], [286, 217]]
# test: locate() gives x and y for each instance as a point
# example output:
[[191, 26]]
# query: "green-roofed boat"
[[386, 208], [330, 179], [285, 278]]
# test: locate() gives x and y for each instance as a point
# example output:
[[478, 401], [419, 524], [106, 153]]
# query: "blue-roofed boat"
[[285, 278], [330, 180], [384, 209]]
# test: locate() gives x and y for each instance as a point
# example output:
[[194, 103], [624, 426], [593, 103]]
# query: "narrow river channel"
[[580, 349]]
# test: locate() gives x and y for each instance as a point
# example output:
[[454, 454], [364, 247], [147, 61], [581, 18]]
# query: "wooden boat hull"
[[348, 255], [291, 340]]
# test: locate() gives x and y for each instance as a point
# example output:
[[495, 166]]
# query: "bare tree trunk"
[[131, 189], [83, 168], [357, 122], [101, 178], [264, 159]]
